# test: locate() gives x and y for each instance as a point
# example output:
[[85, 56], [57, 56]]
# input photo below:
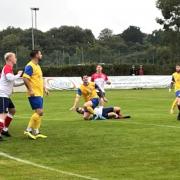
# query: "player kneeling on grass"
[[88, 91], [33, 80], [6, 87], [103, 113]]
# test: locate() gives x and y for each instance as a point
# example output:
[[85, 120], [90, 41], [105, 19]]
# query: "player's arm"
[[17, 84], [26, 77], [108, 81], [9, 74], [172, 84], [77, 99], [44, 86], [92, 78], [101, 95]]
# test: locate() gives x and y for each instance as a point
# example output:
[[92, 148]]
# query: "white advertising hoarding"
[[117, 82]]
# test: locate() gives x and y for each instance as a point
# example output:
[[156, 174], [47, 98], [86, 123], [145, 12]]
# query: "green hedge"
[[111, 70]]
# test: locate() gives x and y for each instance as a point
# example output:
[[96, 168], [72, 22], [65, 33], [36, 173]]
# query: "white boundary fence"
[[118, 82]]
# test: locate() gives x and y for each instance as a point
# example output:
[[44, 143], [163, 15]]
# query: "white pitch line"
[[45, 167], [148, 124], [158, 125]]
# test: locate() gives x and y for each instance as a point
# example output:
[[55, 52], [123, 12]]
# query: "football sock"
[[7, 121], [90, 109], [37, 122], [1, 125], [36, 131], [32, 121], [174, 104]]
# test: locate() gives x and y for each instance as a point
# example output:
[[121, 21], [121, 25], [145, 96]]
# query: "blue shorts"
[[36, 102], [95, 102], [4, 104], [178, 94]]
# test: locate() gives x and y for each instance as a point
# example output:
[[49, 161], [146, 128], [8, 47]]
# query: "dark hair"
[[83, 75], [34, 53]]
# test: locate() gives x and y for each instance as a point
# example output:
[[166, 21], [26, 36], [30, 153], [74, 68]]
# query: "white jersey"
[[7, 79], [98, 111], [100, 79]]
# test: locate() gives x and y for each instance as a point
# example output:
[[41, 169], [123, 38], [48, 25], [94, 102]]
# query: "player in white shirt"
[[102, 113], [7, 79]]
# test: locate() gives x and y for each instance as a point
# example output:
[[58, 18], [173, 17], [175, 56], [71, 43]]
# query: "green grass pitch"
[[144, 147]]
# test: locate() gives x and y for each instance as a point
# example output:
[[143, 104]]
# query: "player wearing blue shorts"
[[88, 91], [33, 80]]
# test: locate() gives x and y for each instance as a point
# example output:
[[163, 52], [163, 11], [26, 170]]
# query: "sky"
[[96, 15]]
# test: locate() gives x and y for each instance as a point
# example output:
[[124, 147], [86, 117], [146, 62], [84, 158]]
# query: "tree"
[[171, 14], [133, 34], [105, 34]]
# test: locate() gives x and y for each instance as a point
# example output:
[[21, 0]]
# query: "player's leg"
[[178, 103], [174, 104], [4, 103], [109, 113], [87, 116], [102, 101], [117, 110], [37, 123], [90, 105], [9, 118], [36, 103]]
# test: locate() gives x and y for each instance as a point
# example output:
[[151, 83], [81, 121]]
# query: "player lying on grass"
[[176, 83], [102, 113], [6, 87], [88, 91]]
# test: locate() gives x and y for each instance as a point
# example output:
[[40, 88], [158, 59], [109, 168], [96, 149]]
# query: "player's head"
[[178, 68], [80, 110], [99, 68], [85, 79], [36, 54], [10, 57]]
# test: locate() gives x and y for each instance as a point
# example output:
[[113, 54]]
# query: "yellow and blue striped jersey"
[[176, 80], [88, 92], [33, 72]]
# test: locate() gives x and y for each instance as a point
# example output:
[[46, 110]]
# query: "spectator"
[[141, 70], [133, 71]]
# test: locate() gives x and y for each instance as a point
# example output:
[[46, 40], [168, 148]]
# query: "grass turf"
[[144, 147]]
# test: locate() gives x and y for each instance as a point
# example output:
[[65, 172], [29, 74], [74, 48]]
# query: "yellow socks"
[[174, 104], [35, 121], [90, 109]]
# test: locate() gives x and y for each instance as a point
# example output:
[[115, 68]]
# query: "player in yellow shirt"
[[33, 79], [176, 83], [91, 98]]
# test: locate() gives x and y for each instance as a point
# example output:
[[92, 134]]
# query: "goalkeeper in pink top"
[[100, 79]]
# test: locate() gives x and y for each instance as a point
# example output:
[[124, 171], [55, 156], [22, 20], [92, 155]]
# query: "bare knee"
[[12, 111], [117, 109], [39, 112]]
